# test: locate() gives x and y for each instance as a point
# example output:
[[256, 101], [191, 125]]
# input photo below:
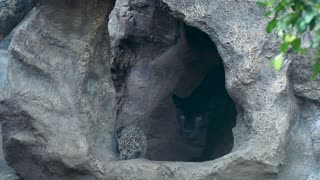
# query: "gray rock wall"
[[12, 12], [4, 58], [59, 110], [69, 86], [6, 172]]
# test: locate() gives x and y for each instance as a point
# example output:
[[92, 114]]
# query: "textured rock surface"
[[11, 13], [268, 108], [4, 60], [59, 105], [6, 173], [131, 143], [150, 64]]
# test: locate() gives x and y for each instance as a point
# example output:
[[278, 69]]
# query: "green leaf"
[[302, 25], [271, 25], [281, 6], [284, 47], [296, 44], [318, 55], [315, 39], [312, 24], [261, 4], [267, 14], [309, 15], [292, 19], [282, 26], [270, 3], [288, 38], [293, 6], [277, 62]]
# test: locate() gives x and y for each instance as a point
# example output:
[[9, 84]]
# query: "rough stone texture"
[[267, 102], [11, 13], [4, 60], [150, 64], [6, 172], [59, 107], [5, 42], [131, 143], [304, 146]]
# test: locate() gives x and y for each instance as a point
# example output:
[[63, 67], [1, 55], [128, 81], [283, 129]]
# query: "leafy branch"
[[291, 19]]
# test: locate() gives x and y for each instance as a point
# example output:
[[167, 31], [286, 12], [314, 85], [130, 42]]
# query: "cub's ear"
[[177, 100]]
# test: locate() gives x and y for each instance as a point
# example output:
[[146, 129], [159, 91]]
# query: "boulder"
[[59, 106]]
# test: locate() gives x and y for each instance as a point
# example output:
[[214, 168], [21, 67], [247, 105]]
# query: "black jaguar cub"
[[191, 118], [193, 111]]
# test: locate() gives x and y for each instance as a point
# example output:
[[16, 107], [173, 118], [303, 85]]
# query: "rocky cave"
[[151, 89], [203, 78]]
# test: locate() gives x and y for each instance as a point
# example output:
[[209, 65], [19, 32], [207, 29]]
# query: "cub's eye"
[[198, 118], [182, 117]]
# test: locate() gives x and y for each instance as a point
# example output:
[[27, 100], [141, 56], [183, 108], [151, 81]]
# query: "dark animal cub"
[[191, 118], [193, 111]]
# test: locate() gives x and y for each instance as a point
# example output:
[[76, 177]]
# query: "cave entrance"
[[195, 122]]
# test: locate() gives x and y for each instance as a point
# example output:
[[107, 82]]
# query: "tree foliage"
[[291, 19]]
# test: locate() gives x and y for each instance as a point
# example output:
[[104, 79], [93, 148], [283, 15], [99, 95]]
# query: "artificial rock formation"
[[12, 12], [77, 72], [59, 99]]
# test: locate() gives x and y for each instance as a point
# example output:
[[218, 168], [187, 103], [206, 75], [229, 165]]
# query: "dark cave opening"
[[172, 87], [207, 116], [203, 113]]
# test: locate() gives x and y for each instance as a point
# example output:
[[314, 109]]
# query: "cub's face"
[[192, 126], [192, 122]]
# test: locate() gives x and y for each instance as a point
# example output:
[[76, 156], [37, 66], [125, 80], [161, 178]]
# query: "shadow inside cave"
[[194, 123]]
